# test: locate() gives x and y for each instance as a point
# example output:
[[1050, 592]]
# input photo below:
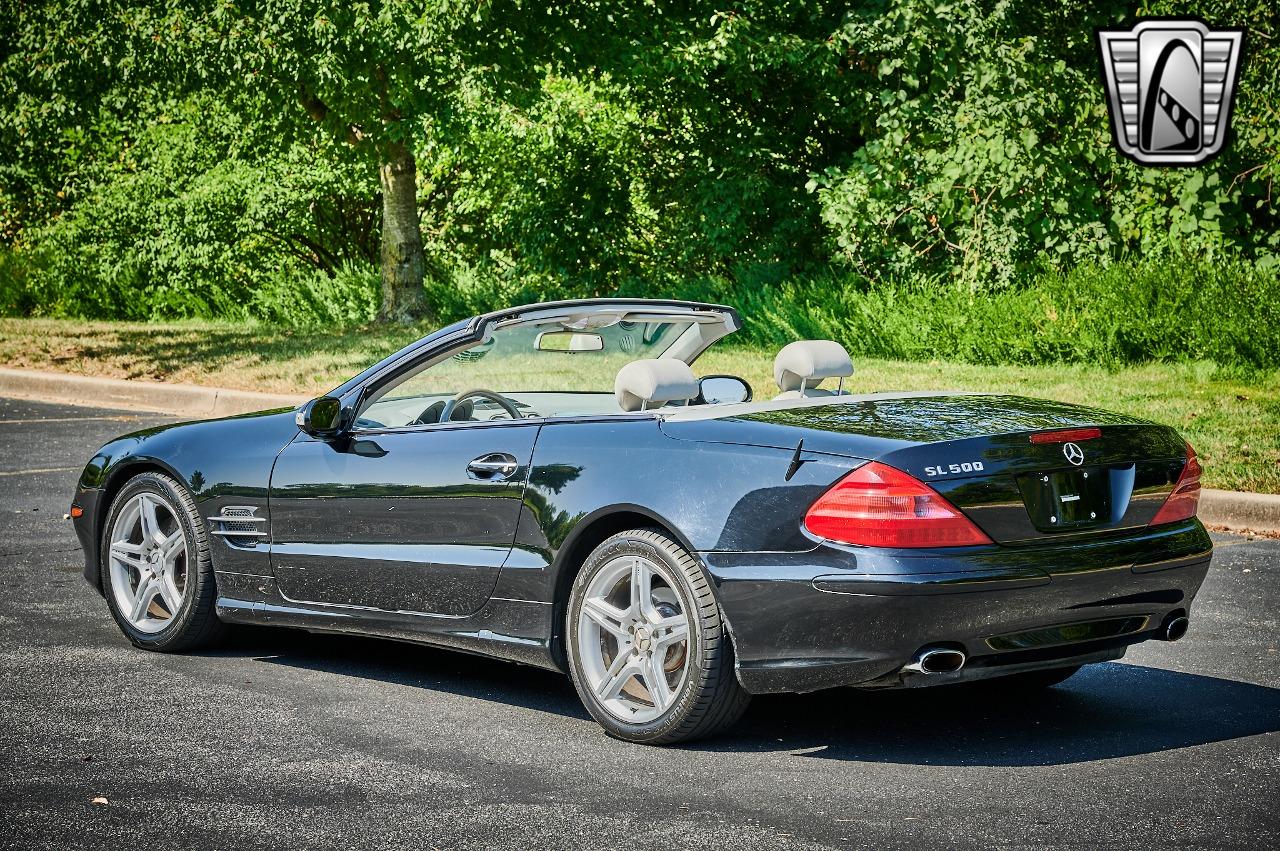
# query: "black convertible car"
[[553, 485]]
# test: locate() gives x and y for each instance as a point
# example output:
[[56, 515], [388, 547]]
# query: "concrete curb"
[[180, 400], [1232, 509], [1238, 510]]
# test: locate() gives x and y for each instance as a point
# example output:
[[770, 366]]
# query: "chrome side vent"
[[239, 524]]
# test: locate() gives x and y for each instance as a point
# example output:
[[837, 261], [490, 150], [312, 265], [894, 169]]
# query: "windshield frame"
[[707, 325]]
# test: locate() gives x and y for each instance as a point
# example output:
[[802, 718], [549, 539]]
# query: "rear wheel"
[[648, 650], [156, 571]]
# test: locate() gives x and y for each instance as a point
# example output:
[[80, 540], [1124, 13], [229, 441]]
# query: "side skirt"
[[512, 630]]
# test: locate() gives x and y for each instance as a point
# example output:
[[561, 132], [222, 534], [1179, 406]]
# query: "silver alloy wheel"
[[633, 639], [148, 561]]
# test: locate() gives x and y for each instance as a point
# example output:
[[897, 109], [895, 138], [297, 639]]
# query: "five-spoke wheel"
[[633, 638], [648, 650], [148, 562], [156, 570]]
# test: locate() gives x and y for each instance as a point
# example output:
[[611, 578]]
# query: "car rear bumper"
[[847, 616]]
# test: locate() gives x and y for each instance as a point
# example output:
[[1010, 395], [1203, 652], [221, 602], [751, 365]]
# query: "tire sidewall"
[[197, 567], [620, 546]]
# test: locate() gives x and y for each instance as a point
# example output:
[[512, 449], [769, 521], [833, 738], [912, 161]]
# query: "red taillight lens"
[[1184, 500], [1066, 435], [879, 506]]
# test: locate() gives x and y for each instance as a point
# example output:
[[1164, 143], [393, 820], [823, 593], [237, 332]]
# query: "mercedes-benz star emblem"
[[1074, 453]]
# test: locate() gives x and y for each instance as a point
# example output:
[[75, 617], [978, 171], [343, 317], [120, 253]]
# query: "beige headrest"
[[648, 383], [806, 362]]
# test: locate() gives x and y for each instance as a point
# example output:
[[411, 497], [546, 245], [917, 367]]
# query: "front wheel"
[[649, 653], [156, 572]]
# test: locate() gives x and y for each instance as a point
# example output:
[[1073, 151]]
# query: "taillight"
[[1185, 498], [880, 506], [1066, 435]]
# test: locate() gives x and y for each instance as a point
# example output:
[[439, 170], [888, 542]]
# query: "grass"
[[1232, 418]]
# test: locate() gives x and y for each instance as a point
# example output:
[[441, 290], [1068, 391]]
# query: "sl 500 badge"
[[954, 469]]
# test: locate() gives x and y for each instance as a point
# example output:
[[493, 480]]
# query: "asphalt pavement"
[[290, 740]]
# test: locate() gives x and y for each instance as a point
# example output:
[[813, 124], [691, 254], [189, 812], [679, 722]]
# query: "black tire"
[[1030, 680], [196, 623], [710, 699]]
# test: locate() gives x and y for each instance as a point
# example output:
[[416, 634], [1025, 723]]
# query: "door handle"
[[495, 465]]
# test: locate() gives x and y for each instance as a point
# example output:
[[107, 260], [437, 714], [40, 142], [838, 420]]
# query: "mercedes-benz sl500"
[[556, 485]]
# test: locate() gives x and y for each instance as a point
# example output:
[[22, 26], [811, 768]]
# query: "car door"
[[414, 519]]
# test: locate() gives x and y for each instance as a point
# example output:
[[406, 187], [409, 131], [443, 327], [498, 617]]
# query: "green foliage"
[[1120, 314], [988, 150], [541, 191], [189, 220], [60, 66], [314, 299], [16, 295], [917, 178], [741, 108]]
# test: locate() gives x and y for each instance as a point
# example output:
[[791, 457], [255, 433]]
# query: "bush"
[[917, 179], [1122, 314], [311, 299], [16, 297], [988, 158], [191, 220], [1126, 313]]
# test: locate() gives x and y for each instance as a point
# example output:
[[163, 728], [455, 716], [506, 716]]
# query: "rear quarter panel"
[[715, 497]]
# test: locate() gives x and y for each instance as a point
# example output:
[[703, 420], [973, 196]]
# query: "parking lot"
[[286, 739]]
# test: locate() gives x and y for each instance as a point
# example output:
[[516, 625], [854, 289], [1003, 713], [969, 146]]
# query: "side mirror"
[[323, 417], [717, 389]]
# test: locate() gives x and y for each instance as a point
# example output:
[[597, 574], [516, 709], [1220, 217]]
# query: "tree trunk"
[[403, 299]]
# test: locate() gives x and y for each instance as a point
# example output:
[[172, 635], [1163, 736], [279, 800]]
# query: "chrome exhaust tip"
[[1175, 628], [936, 660]]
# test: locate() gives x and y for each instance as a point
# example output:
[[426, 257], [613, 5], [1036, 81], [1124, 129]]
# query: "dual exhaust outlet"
[[948, 660], [1174, 627], [936, 660]]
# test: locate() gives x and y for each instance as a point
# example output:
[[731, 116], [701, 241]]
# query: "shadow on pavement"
[[1106, 711], [416, 666]]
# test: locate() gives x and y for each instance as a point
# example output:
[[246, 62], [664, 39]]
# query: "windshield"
[[541, 369]]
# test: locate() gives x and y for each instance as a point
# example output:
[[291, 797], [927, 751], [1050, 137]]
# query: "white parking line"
[[117, 418], [38, 470]]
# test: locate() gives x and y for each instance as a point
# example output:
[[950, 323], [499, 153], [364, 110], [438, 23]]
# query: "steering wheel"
[[501, 401]]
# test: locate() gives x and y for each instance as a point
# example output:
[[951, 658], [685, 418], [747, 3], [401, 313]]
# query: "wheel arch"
[[116, 479], [588, 533]]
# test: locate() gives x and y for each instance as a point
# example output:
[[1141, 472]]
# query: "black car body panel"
[[337, 508], [222, 462], [842, 616], [386, 532]]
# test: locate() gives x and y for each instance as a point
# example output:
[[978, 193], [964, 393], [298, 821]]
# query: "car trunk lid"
[[1017, 490], [1022, 469]]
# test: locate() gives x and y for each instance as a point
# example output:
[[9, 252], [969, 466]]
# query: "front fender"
[[220, 460]]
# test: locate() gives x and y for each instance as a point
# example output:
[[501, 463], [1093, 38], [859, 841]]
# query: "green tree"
[[986, 152], [62, 72], [379, 76], [218, 157]]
